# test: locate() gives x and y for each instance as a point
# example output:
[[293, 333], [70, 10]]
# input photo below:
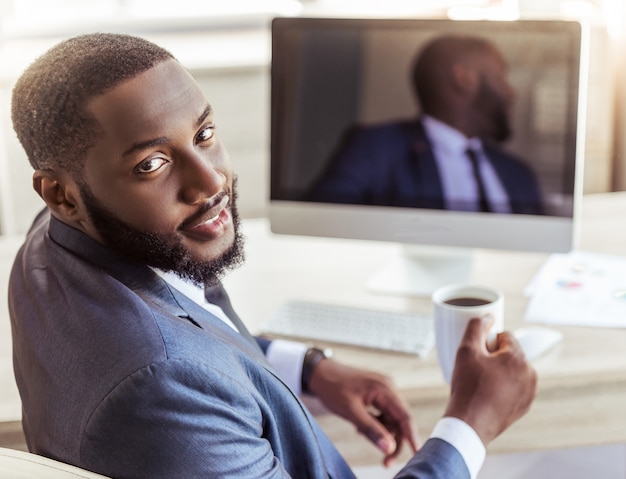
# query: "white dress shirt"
[[287, 356], [454, 166]]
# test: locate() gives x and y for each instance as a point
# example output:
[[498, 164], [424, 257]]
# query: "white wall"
[[232, 66]]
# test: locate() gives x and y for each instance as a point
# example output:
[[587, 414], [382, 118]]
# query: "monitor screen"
[[465, 134]]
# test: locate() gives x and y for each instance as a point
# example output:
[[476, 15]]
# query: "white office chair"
[[24, 465]]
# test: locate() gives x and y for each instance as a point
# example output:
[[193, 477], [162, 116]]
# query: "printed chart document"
[[579, 289]]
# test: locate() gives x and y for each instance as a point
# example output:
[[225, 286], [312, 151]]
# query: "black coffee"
[[467, 301]]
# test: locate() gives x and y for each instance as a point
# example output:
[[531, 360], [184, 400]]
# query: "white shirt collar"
[[195, 293], [444, 138], [187, 287]]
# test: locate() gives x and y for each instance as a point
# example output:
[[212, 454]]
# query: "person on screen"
[[129, 357], [448, 158]]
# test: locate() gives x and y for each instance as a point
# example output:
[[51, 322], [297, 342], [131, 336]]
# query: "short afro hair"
[[49, 100]]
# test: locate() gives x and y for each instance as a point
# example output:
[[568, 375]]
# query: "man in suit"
[[128, 355], [449, 157]]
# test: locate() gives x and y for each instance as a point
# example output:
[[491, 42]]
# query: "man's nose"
[[201, 177]]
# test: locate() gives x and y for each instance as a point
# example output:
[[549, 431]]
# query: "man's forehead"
[[154, 107], [165, 89]]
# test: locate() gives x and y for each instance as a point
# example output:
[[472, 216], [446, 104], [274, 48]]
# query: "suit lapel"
[[217, 295], [426, 171], [175, 302], [509, 180], [150, 287]]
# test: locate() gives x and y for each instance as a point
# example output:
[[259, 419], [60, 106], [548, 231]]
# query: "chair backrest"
[[25, 465]]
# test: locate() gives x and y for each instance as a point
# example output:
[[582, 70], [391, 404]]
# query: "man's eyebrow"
[[207, 111], [142, 145]]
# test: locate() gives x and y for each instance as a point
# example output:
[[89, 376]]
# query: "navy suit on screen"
[[393, 165]]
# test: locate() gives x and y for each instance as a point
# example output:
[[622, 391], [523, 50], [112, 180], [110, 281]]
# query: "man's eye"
[[150, 165], [206, 133]]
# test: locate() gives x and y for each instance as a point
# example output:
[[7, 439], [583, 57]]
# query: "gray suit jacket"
[[121, 374]]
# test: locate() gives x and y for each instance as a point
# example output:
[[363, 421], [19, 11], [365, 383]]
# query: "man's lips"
[[208, 214]]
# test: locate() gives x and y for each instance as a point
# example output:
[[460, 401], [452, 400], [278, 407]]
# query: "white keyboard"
[[392, 331]]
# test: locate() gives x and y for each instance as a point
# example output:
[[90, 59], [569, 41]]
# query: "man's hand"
[[490, 389], [369, 401]]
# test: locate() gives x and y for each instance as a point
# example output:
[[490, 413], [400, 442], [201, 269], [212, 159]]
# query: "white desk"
[[582, 386]]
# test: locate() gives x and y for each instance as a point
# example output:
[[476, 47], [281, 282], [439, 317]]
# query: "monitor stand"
[[419, 270]]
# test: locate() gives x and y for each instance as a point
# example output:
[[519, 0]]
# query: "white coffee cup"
[[455, 305]]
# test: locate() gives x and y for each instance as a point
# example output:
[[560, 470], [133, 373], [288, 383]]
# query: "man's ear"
[[465, 78], [60, 192]]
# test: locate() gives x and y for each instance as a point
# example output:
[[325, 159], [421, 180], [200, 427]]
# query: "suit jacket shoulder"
[[388, 164], [123, 375]]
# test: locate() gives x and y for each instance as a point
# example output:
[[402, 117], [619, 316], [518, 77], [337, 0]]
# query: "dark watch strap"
[[312, 357]]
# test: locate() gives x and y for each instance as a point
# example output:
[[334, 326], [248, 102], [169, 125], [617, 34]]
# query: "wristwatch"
[[312, 357]]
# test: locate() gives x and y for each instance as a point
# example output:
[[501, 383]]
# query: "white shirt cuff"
[[464, 439], [286, 358]]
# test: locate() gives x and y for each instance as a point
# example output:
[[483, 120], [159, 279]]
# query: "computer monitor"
[[331, 77]]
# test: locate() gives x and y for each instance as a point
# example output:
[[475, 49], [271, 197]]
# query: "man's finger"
[[396, 417], [402, 429], [373, 429], [506, 341], [477, 330]]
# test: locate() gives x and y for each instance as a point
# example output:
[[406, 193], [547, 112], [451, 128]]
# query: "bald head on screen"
[[462, 81]]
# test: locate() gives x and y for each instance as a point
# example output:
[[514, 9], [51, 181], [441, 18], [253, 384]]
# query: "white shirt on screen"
[[454, 166]]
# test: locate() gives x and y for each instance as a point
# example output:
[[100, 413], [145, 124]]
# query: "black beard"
[[165, 252], [489, 101]]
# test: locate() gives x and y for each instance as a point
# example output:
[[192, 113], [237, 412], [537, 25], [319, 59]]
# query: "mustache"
[[206, 207]]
